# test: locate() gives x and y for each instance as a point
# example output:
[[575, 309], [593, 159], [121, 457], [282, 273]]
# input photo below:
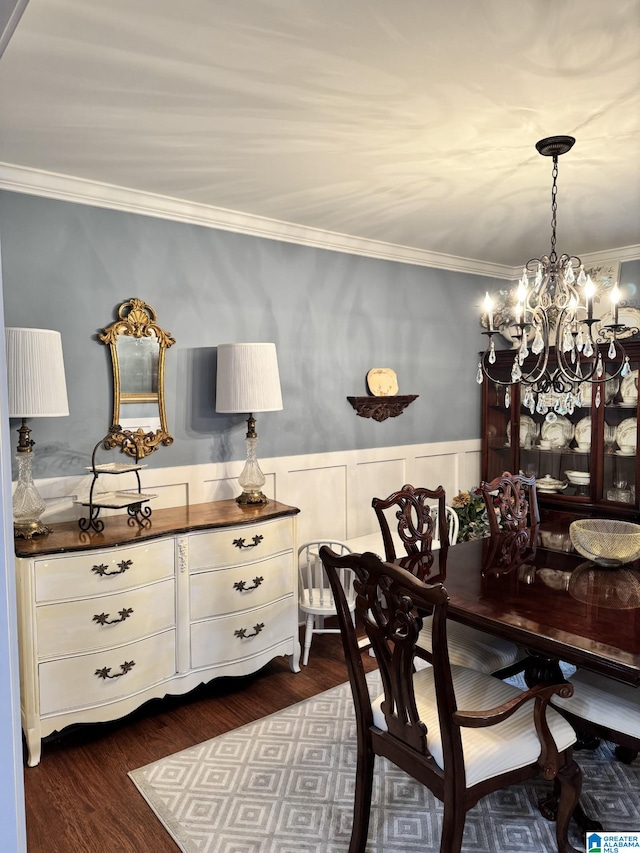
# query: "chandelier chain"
[[554, 210]]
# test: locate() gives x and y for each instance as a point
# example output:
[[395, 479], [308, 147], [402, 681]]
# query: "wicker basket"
[[608, 542]]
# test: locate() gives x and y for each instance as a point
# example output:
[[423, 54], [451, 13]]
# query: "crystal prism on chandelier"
[[554, 306]]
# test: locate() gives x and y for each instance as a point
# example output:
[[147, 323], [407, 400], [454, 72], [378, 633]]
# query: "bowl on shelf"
[[578, 478], [548, 484], [606, 541]]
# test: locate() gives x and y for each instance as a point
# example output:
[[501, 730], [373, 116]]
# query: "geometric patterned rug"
[[284, 784]]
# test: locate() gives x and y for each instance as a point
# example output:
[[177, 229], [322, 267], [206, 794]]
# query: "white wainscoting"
[[332, 490]]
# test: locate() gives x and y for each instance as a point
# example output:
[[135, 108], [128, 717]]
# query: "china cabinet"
[[584, 457], [109, 620]]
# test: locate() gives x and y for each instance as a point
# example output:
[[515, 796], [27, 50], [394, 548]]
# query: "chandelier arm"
[[534, 376]]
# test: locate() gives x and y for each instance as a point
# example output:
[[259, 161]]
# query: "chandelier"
[[554, 306]]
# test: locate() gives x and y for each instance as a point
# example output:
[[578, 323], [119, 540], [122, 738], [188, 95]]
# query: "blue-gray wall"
[[12, 810], [332, 316]]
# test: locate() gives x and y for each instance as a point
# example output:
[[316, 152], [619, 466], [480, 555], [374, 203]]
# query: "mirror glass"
[[138, 359], [138, 346]]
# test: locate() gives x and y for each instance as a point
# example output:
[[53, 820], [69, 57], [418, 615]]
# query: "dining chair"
[[416, 523], [415, 529], [606, 708], [315, 597], [461, 733], [511, 501]]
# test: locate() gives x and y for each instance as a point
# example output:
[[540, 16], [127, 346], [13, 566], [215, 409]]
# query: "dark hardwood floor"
[[79, 799]]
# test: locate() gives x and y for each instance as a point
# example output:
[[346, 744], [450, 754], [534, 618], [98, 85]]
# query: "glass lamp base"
[[252, 479], [254, 496], [29, 529], [28, 505]]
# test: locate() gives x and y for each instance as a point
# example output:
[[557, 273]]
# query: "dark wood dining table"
[[533, 588], [537, 591]]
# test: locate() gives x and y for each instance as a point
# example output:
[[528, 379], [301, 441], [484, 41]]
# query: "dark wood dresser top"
[[67, 536]]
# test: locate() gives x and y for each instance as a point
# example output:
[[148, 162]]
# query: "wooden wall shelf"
[[381, 408]]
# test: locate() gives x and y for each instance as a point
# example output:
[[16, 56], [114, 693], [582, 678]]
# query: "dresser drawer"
[[215, 641], [123, 617], [236, 545], [98, 572], [214, 593], [72, 682]]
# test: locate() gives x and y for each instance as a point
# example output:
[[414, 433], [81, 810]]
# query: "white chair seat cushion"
[[487, 751], [473, 648], [604, 702]]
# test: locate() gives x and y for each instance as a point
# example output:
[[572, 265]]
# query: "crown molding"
[[82, 191], [626, 253]]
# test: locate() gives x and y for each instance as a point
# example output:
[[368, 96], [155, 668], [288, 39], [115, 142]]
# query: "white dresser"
[[108, 621]]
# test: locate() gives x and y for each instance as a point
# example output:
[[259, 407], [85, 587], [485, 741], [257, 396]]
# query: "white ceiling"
[[409, 122]]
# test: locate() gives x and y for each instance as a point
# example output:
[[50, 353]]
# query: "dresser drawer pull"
[[103, 570], [242, 632], [239, 543], [124, 669], [241, 586], [103, 618]]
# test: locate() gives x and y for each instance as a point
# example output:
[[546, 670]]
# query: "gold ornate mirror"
[[137, 347]]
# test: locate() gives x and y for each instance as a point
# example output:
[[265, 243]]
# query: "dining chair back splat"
[[315, 596], [416, 522], [415, 527], [461, 733], [511, 501]]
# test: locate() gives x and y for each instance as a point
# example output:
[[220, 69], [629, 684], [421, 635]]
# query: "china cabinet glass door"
[[558, 445], [620, 439], [583, 455], [500, 426]]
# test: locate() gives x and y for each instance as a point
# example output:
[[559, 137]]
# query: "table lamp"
[[37, 389], [248, 382]]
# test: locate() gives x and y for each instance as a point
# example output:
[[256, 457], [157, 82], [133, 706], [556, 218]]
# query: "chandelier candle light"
[[248, 381], [560, 288], [37, 389]]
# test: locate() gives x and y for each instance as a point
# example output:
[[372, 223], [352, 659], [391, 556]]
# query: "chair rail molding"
[[333, 490]]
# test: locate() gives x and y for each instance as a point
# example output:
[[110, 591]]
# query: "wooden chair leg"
[[549, 809], [453, 818], [625, 754], [362, 800], [308, 636], [569, 786]]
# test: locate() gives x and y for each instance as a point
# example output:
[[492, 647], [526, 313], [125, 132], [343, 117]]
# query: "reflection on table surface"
[[533, 588]]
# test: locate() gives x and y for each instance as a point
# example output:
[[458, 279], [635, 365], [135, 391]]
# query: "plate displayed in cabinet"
[[629, 387], [582, 433], [610, 390], [627, 433], [528, 430], [558, 433]]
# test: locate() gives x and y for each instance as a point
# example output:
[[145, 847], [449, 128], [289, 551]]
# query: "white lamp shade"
[[248, 378], [35, 374]]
